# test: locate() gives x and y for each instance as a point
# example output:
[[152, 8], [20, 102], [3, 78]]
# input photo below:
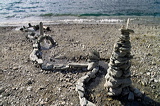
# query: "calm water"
[[77, 10]]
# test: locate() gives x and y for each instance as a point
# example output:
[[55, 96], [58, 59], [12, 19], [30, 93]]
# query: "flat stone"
[[34, 55], [137, 92], [114, 91], [119, 62], [78, 65], [126, 73], [47, 66], [60, 66], [115, 73], [124, 49], [118, 54], [92, 65]]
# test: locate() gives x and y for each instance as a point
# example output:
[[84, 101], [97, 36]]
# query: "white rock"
[[29, 88], [90, 103], [83, 101]]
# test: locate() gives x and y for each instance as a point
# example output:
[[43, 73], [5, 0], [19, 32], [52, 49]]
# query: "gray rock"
[[93, 72], [115, 73], [92, 65], [131, 96], [137, 92], [86, 78], [114, 91], [2, 90], [60, 66], [78, 65], [47, 66]]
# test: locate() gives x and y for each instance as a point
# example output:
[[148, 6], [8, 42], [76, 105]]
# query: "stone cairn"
[[118, 77], [92, 64]]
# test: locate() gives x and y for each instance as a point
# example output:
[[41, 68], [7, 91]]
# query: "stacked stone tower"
[[118, 74]]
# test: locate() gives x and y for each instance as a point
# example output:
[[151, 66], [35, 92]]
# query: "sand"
[[21, 83]]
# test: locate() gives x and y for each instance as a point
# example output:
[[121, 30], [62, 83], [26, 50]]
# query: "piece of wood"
[[41, 28], [127, 23]]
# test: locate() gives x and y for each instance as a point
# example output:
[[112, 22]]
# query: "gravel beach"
[[23, 84]]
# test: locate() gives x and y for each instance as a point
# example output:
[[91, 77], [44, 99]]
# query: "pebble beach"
[[21, 83]]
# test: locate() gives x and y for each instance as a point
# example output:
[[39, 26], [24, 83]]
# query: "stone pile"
[[118, 77]]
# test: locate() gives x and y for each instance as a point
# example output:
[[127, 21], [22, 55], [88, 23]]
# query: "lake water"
[[79, 11]]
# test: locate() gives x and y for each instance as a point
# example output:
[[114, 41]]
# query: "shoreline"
[[81, 20], [24, 84]]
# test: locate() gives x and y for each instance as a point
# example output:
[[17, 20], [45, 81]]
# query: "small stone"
[[109, 99], [81, 94], [35, 45], [137, 92], [2, 90], [29, 88], [47, 66], [86, 78], [131, 96], [39, 61], [15, 68], [92, 65], [148, 73], [30, 81], [80, 88], [83, 101], [80, 83]]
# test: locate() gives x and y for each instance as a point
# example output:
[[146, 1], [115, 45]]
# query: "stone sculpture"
[[118, 74], [118, 77]]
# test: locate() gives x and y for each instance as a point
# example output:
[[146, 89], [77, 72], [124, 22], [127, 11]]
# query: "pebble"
[[15, 68], [2, 90], [29, 88]]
